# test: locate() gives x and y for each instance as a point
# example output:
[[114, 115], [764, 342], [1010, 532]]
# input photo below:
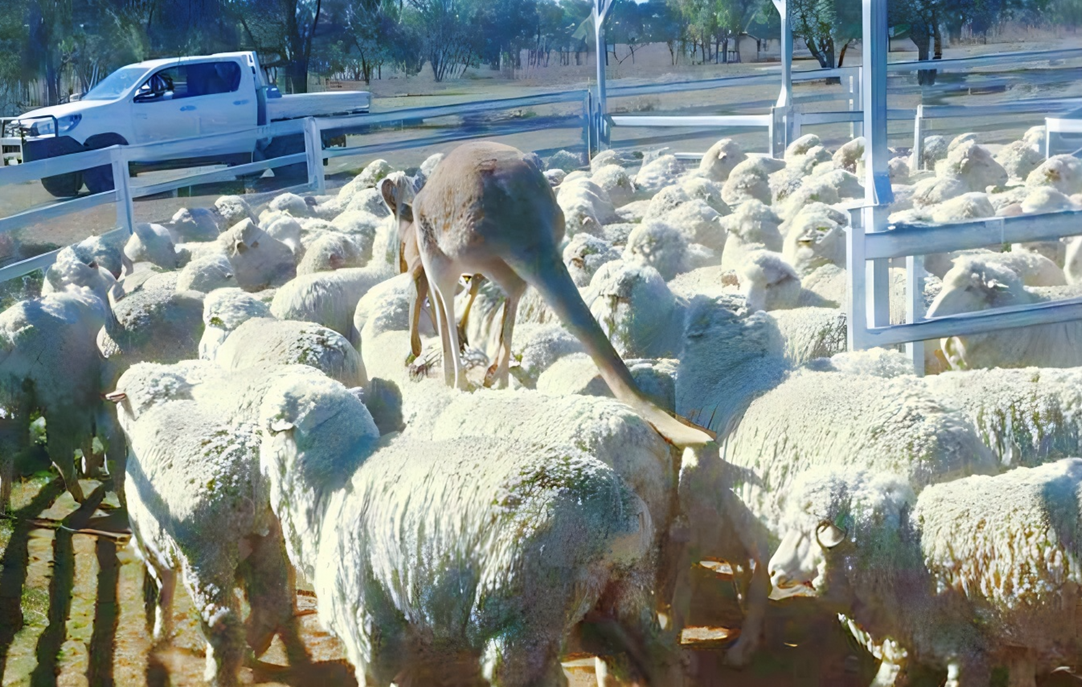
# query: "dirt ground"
[[73, 613]]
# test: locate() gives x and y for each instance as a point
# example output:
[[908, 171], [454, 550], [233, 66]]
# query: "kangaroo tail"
[[551, 279]]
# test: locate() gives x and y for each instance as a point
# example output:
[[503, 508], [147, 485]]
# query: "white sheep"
[[223, 311], [287, 230], [720, 158], [194, 224], [616, 182], [105, 251], [814, 239], [972, 574], [233, 209], [658, 173], [328, 298], [972, 164], [975, 284], [1019, 158], [697, 222], [259, 260], [657, 244], [748, 180], [585, 205], [538, 518], [74, 270], [584, 254], [849, 154], [774, 424], [636, 310], [198, 506], [752, 226], [49, 363], [564, 160], [207, 274], [1062, 172], [260, 342], [152, 243], [701, 188], [332, 251], [291, 204]]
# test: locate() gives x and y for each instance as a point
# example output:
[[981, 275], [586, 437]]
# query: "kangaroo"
[[487, 209]]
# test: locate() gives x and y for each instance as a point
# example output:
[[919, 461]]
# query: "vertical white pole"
[[600, 13], [125, 211], [1047, 140], [914, 308], [877, 191], [916, 160], [313, 149], [857, 313], [785, 96]]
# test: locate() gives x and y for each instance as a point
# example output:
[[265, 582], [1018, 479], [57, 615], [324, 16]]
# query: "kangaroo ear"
[[387, 190]]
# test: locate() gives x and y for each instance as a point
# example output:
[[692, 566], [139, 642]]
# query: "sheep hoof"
[[740, 653]]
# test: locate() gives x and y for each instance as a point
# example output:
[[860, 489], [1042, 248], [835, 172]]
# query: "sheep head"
[[837, 519]]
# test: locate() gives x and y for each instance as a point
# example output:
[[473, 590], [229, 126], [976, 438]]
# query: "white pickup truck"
[[189, 98]]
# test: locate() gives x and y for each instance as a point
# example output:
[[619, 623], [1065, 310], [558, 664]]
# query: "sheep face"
[[814, 241], [973, 285], [634, 307], [837, 520]]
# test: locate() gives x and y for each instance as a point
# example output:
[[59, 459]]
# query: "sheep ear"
[[280, 426], [387, 189], [997, 285], [115, 396]]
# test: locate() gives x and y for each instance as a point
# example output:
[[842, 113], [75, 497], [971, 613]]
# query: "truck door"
[[226, 103], [160, 109]]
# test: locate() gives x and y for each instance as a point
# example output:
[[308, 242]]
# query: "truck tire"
[[63, 185], [287, 145], [100, 179]]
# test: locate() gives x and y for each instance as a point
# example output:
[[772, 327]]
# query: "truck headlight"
[[44, 127]]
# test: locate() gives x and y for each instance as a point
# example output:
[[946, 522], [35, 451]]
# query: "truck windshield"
[[114, 85]]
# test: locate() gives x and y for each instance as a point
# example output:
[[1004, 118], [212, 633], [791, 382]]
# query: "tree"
[[828, 27], [504, 28], [446, 32], [367, 34], [283, 29]]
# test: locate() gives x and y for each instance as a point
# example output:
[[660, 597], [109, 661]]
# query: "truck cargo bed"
[[318, 104]]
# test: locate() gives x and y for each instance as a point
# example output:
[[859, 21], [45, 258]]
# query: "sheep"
[[289, 203], [748, 180], [936, 190], [719, 160], [335, 491], [564, 160], [1019, 159], [658, 173], [969, 575], [367, 201], [223, 311], [616, 183], [206, 274], [539, 346], [753, 226], [777, 424], [810, 332], [198, 505], [152, 243], [287, 230], [849, 154], [584, 254], [814, 239], [157, 325], [555, 177], [263, 341], [574, 374], [967, 206], [636, 310], [585, 206], [327, 298], [429, 166], [1062, 172], [697, 222], [50, 364], [658, 245], [105, 251], [1025, 416], [330, 252], [233, 209], [972, 164], [259, 260], [70, 270], [975, 284]]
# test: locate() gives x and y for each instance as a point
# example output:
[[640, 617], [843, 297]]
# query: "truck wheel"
[[63, 185], [99, 179]]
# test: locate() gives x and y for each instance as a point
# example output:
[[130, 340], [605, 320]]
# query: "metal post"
[[916, 159], [855, 128], [914, 308], [125, 211], [772, 134], [600, 13], [588, 138], [857, 314], [313, 149], [877, 190], [785, 95], [1047, 140]]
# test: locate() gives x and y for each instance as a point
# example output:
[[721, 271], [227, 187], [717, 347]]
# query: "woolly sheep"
[[289, 203], [50, 364], [105, 251], [1019, 159], [700, 188], [849, 154], [753, 226], [975, 284], [152, 243], [429, 165], [260, 342], [233, 209], [223, 311], [747, 181], [206, 274], [720, 158], [259, 260], [987, 561], [964, 207], [70, 271], [778, 424], [657, 174], [332, 251], [555, 176], [936, 190], [564, 160], [538, 347], [933, 150], [810, 332], [328, 298], [658, 245], [584, 254], [972, 164], [287, 230], [585, 207], [572, 375], [636, 310], [665, 201], [367, 200], [1062, 172], [616, 182], [814, 239], [697, 222], [333, 488], [198, 505]]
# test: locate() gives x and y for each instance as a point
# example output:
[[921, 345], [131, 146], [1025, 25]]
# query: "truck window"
[[208, 78], [166, 84], [114, 85]]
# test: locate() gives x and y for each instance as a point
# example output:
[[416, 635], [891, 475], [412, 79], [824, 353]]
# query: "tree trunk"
[[922, 37]]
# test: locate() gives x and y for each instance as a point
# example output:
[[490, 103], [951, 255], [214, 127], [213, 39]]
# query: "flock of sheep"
[[274, 395]]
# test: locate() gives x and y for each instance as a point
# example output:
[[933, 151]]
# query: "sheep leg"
[[890, 670], [166, 581], [513, 286], [740, 653], [270, 585], [532, 661], [62, 454], [220, 624]]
